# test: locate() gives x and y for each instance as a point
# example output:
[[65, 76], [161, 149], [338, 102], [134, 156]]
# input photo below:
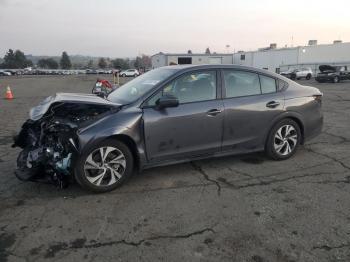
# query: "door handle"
[[272, 104], [213, 112]]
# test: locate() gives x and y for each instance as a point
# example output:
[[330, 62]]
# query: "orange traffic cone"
[[9, 94]]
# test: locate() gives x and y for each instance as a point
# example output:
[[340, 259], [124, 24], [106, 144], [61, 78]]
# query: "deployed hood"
[[327, 68], [71, 98]]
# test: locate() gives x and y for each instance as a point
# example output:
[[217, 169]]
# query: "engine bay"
[[50, 144]]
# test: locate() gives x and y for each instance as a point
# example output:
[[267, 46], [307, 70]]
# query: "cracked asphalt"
[[238, 208]]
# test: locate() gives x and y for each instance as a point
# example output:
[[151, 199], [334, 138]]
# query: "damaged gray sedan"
[[168, 115]]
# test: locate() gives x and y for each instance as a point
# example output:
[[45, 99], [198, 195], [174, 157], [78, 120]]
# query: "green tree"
[[65, 62], [146, 61], [48, 63], [120, 63], [102, 63], [143, 62], [15, 59], [9, 59], [138, 62], [90, 64]]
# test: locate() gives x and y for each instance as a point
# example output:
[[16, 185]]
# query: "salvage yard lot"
[[238, 208]]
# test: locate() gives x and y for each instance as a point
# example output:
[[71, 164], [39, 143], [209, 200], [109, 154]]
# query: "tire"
[[273, 143], [308, 77], [123, 75], [336, 79], [135, 75], [293, 77], [96, 175]]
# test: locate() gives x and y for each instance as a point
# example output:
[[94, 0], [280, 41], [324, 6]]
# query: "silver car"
[[167, 115]]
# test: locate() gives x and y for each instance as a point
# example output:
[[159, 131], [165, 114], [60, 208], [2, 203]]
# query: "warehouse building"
[[162, 59], [310, 56], [271, 58]]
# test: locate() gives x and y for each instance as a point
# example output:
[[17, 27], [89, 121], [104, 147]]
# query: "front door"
[[191, 129]]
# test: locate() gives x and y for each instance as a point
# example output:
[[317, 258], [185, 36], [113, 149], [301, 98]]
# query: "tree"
[[189, 52], [138, 62], [17, 59], [65, 62], [120, 63], [9, 60], [90, 64], [102, 63], [143, 62], [146, 61], [207, 51], [48, 63]]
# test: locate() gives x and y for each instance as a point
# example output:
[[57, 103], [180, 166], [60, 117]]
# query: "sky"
[[116, 28]]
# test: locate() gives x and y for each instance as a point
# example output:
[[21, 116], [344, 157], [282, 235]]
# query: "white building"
[[162, 59], [312, 56], [271, 58]]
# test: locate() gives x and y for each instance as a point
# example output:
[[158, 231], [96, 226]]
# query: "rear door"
[[251, 102], [194, 128]]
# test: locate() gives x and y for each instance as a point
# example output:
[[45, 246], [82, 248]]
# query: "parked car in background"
[[5, 73], [129, 72], [297, 74], [302, 73], [90, 72], [332, 74], [11, 71], [100, 71], [168, 115], [288, 72]]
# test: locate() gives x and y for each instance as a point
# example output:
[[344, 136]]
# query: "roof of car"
[[220, 66]]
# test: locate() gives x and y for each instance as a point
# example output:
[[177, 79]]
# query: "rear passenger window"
[[240, 83], [268, 84], [282, 84]]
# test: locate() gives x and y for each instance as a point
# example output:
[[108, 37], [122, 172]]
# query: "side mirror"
[[167, 101]]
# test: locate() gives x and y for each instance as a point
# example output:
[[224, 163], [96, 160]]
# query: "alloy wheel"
[[285, 140], [105, 166]]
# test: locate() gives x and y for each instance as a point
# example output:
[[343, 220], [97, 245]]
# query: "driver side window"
[[192, 87]]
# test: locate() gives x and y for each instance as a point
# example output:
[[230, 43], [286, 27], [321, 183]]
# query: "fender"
[[288, 114], [128, 124]]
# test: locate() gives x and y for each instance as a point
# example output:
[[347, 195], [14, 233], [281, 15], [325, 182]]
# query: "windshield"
[[139, 86]]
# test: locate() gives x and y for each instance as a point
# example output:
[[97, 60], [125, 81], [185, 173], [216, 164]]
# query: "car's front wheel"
[[105, 166], [336, 79], [308, 77], [283, 140]]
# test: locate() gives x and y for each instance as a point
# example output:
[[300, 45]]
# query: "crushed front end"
[[49, 138]]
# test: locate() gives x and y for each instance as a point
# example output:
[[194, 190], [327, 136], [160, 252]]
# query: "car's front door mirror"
[[167, 101]]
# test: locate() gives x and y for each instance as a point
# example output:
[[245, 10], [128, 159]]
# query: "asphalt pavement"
[[238, 208]]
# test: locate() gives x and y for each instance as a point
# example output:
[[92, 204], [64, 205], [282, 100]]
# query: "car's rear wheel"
[[105, 166], [283, 140], [336, 79], [308, 77], [123, 75]]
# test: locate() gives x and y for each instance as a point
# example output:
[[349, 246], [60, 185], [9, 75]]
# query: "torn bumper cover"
[[49, 139]]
